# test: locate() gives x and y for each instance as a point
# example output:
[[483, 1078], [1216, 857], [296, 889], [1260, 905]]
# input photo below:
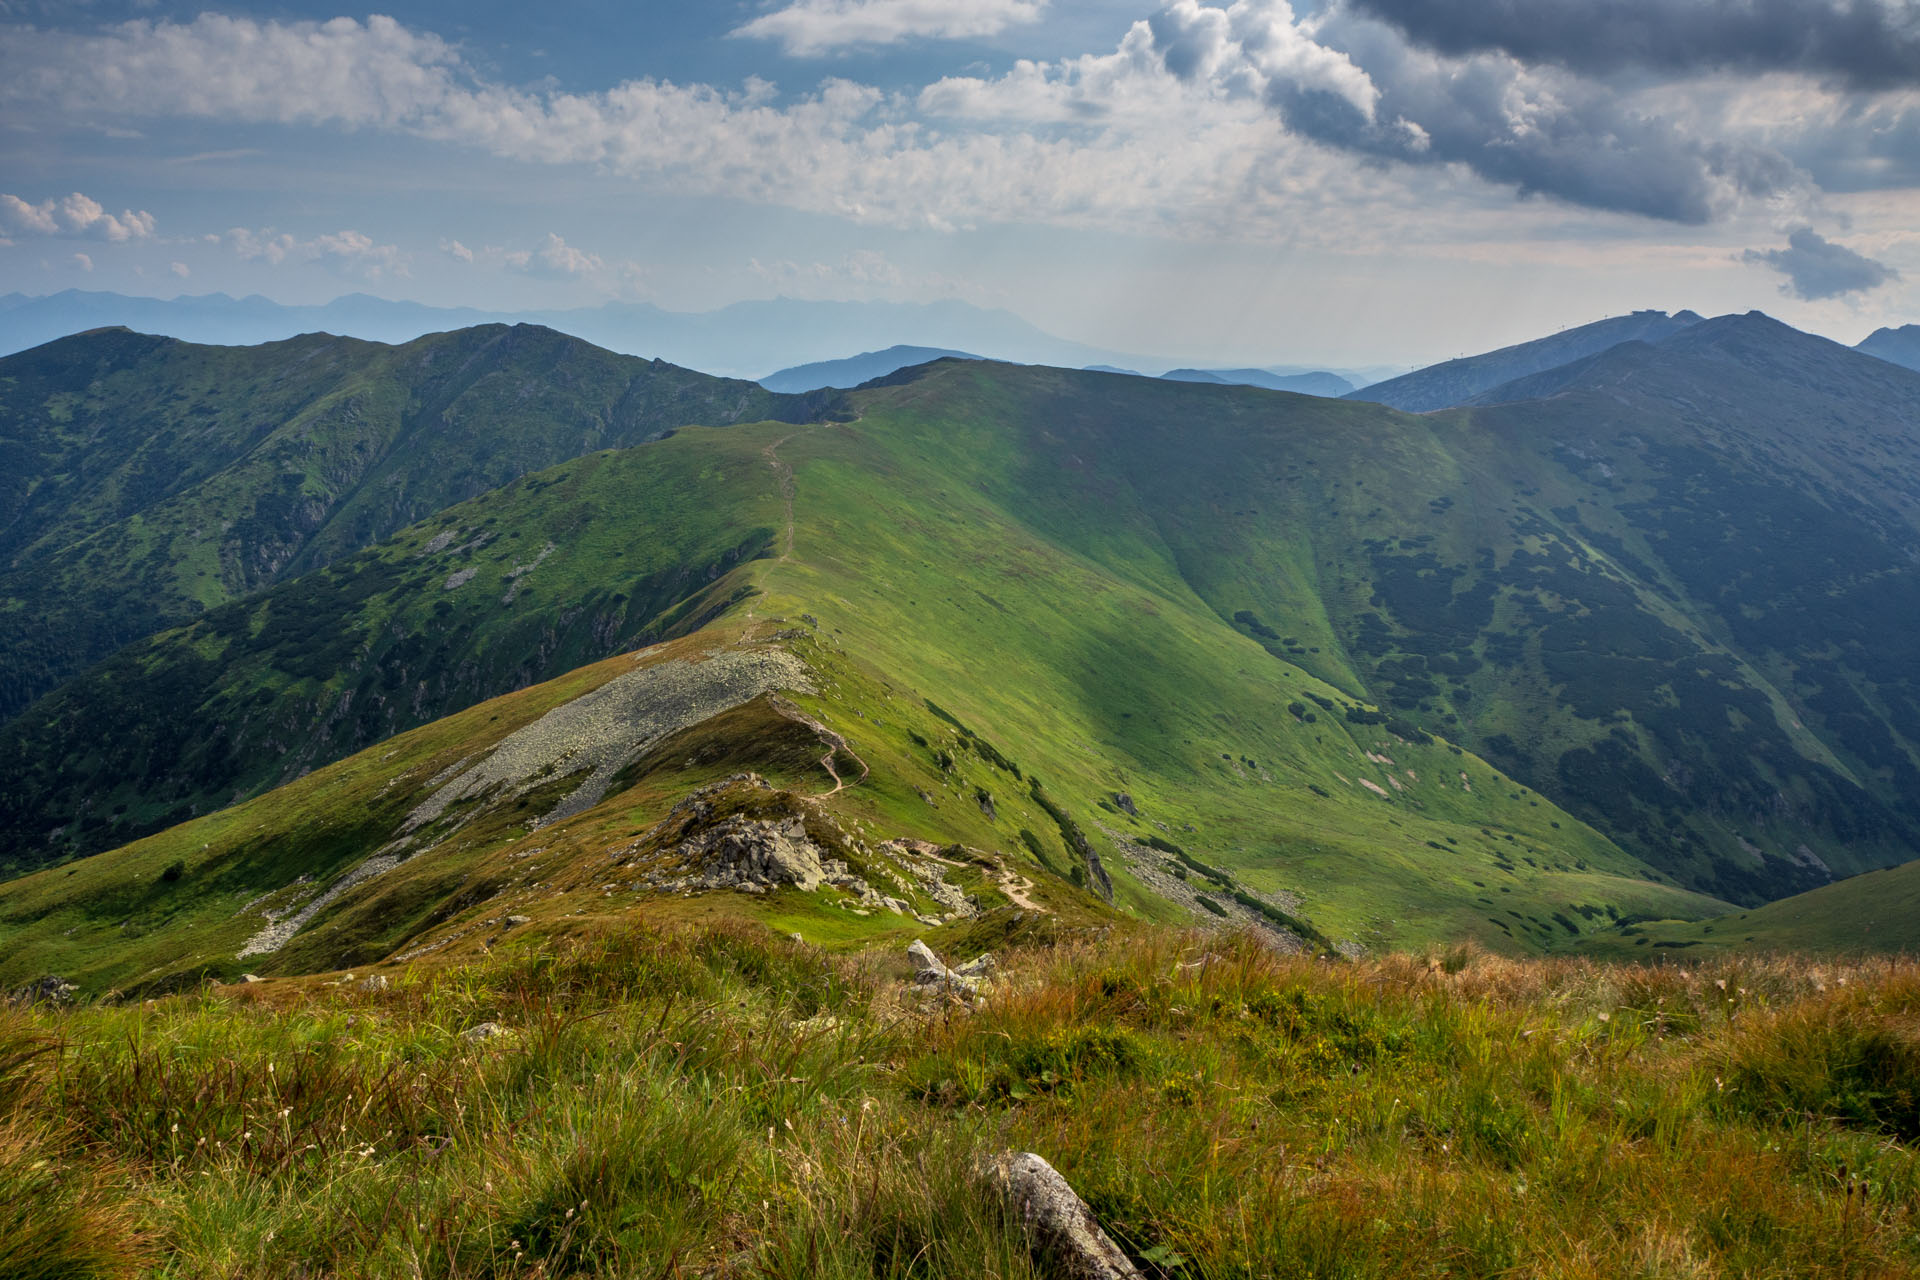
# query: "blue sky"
[[1240, 181]]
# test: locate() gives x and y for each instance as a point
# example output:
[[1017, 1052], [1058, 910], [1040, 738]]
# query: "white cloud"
[[1171, 132], [559, 258], [350, 250], [83, 262], [847, 149], [807, 28], [74, 217], [179, 269], [457, 251]]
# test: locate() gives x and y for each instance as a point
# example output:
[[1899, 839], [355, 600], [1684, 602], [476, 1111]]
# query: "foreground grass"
[[721, 1102]]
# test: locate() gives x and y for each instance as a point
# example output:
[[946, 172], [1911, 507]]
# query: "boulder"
[[1058, 1224], [981, 966], [485, 1031]]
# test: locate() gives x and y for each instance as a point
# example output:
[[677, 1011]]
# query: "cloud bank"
[[1865, 44], [1245, 118], [808, 28]]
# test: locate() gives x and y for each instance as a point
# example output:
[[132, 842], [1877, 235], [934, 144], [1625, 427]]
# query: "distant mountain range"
[[741, 340], [1331, 385], [866, 366], [854, 370]]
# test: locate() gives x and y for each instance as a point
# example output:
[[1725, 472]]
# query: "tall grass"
[[718, 1102]]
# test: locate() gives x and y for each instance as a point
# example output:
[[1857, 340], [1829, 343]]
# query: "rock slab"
[[1058, 1223]]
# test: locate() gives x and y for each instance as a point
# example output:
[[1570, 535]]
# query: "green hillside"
[[145, 480], [1875, 912], [1259, 647], [1048, 691]]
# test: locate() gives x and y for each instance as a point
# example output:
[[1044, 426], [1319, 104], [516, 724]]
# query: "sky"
[[1338, 182]]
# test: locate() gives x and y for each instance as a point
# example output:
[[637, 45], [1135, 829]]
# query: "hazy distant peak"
[[1458, 381]]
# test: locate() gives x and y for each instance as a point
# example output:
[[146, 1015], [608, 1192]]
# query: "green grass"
[[1877, 912], [716, 1101]]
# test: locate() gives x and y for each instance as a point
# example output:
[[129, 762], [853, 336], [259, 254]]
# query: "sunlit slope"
[[146, 480], [1012, 652], [548, 806], [1876, 912], [1476, 576]]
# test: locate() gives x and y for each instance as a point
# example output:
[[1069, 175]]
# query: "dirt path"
[[784, 473], [835, 745]]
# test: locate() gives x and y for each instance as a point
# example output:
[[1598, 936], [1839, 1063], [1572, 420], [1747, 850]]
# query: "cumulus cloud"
[[1817, 269], [74, 217], [179, 269], [1872, 44], [83, 262], [1351, 82], [347, 250], [807, 28], [558, 258]]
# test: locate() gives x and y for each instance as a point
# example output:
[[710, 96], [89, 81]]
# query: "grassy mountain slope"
[[1876, 912], [147, 480], [943, 553], [1753, 488], [1239, 634], [1455, 382]]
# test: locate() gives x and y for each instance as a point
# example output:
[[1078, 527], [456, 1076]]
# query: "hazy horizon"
[[1336, 183]]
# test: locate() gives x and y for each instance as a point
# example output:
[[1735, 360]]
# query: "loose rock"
[[1058, 1222]]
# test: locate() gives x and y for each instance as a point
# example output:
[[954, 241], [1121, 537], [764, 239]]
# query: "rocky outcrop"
[[47, 990], [598, 733], [743, 835]]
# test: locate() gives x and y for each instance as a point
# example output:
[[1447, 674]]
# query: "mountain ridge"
[[151, 479]]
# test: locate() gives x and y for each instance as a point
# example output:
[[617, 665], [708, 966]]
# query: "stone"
[[249, 977], [1058, 1224], [926, 965], [485, 1031], [514, 922], [378, 982], [1125, 802], [48, 990], [980, 966]]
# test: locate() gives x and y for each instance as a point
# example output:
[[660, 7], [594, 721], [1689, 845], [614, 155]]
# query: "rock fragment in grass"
[[1058, 1224]]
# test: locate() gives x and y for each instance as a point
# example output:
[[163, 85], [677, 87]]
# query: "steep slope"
[[146, 480], [1897, 346], [1751, 492], [1306, 384], [854, 370], [1455, 382]]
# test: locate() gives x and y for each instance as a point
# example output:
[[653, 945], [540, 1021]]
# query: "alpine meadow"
[[903, 640]]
